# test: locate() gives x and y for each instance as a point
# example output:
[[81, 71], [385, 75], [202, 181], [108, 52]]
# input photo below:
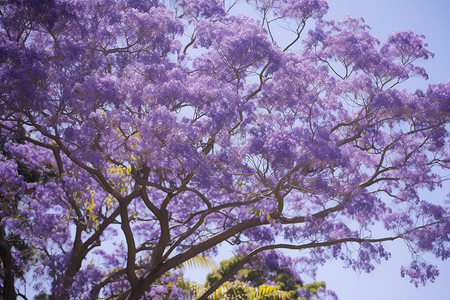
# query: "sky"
[[430, 18]]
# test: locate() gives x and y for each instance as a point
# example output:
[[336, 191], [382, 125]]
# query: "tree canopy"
[[138, 135], [269, 269]]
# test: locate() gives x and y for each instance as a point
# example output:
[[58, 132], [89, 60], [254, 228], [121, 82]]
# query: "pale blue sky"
[[432, 19]]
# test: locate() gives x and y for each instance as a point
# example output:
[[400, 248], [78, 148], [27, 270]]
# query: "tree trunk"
[[9, 292]]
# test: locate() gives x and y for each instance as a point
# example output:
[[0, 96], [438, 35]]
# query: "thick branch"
[[131, 245]]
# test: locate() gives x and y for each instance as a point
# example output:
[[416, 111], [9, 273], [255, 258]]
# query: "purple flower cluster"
[[420, 272]]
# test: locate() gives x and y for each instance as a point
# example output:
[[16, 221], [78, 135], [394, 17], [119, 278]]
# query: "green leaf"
[[199, 261]]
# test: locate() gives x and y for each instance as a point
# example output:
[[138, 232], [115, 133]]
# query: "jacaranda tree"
[[138, 135]]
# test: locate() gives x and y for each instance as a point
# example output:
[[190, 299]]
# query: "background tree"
[[271, 275], [170, 128]]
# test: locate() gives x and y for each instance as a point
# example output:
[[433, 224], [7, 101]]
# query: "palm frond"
[[265, 291], [199, 261], [234, 288]]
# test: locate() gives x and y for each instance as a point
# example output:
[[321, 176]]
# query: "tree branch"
[[246, 259]]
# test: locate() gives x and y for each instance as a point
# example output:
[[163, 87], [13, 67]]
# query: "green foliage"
[[252, 284], [41, 296], [270, 292], [238, 290], [314, 286], [199, 261]]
